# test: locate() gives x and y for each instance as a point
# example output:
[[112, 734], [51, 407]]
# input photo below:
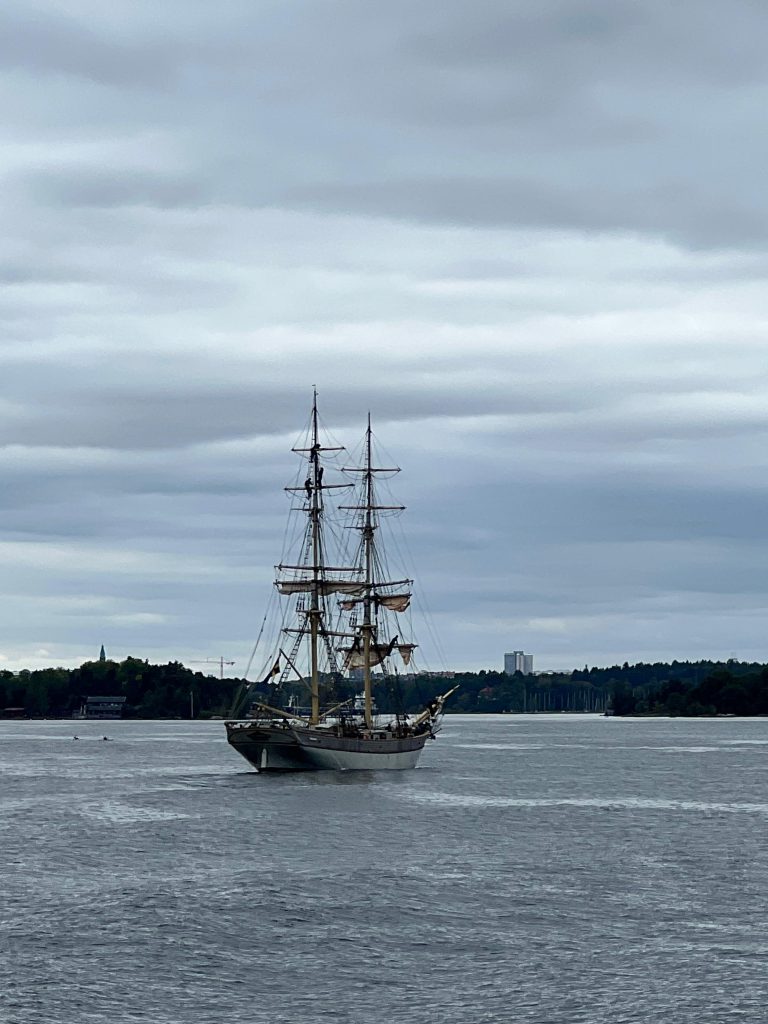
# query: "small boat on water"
[[342, 619]]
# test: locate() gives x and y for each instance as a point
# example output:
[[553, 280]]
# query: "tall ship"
[[342, 623]]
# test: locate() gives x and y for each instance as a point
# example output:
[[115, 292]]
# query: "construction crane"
[[221, 662]]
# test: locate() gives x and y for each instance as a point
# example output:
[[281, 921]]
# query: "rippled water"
[[548, 869]]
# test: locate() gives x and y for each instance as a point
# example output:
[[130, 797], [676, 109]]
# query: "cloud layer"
[[530, 238]]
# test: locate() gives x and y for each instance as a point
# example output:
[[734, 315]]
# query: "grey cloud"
[[38, 39], [683, 214], [181, 417], [619, 118], [116, 187], [17, 272], [593, 38], [135, 421]]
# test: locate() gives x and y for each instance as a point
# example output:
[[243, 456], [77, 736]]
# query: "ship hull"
[[267, 749], [280, 749]]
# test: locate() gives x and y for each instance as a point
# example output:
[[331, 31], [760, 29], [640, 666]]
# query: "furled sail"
[[405, 651], [355, 655], [307, 586], [394, 602]]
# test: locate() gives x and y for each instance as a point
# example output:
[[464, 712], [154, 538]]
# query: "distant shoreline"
[[172, 692]]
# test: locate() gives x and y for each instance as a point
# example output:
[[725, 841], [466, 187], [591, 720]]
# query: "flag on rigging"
[[273, 671]]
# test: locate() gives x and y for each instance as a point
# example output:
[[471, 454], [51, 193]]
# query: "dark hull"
[[274, 748], [267, 749]]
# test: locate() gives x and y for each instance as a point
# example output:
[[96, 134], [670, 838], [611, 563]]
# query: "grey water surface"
[[534, 868]]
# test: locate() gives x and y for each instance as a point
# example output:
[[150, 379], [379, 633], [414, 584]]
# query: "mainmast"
[[314, 611], [368, 530], [369, 649]]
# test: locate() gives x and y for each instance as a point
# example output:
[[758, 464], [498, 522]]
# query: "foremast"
[[310, 578]]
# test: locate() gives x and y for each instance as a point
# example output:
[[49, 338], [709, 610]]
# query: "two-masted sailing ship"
[[341, 621]]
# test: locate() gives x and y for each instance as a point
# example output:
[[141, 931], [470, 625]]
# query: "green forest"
[[174, 691], [686, 688]]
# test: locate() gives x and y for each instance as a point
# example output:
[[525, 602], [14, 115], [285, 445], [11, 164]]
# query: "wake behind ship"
[[340, 616]]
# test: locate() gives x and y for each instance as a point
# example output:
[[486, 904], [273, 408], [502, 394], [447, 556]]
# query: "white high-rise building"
[[518, 661]]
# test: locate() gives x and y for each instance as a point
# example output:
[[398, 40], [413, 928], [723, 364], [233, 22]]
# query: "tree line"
[[150, 691], [688, 688], [705, 689], [174, 691]]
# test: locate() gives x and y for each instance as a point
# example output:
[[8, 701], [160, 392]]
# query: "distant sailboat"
[[339, 619]]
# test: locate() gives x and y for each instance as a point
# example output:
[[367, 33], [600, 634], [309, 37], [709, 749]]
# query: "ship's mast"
[[313, 579], [368, 531], [314, 612]]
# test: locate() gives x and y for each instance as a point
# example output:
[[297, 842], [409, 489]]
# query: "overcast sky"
[[531, 237]]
